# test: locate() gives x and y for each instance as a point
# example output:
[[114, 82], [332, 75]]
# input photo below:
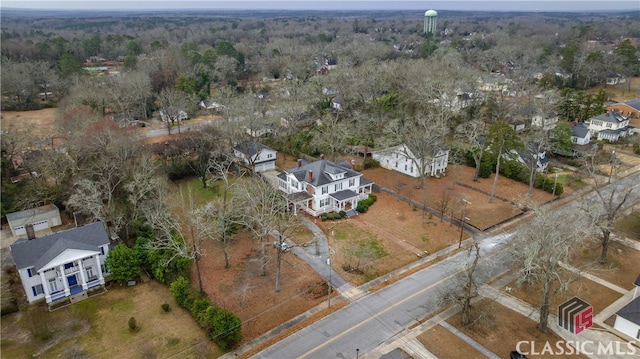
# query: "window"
[[30, 272], [270, 155], [90, 275], [324, 202], [102, 250], [608, 125], [352, 182], [411, 169], [37, 290], [53, 285], [325, 189], [396, 164], [405, 167], [104, 268], [338, 186]]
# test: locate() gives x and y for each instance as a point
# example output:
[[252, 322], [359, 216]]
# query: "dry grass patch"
[[444, 344], [620, 269], [591, 292], [499, 329], [98, 328]]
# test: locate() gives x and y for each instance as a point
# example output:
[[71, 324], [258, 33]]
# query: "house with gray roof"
[[324, 186], [628, 317], [63, 265], [256, 155], [610, 126], [580, 134]]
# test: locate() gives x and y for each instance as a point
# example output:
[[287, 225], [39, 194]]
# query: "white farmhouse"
[[323, 186], [63, 265], [402, 159], [609, 126]]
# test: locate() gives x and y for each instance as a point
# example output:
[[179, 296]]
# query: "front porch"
[[73, 278]]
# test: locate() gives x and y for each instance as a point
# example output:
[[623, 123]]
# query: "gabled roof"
[[611, 116], [320, 171], [31, 212], [635, 103], [251, 148], [39, 251], [580, 130], [631, 311]]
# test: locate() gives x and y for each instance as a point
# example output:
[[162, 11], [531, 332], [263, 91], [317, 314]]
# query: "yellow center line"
[[336, 337]]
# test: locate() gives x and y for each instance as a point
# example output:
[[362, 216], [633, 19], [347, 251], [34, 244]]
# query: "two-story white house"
[[609, 126], [256, 155], [402, 159], [324, 186], [62, 265]]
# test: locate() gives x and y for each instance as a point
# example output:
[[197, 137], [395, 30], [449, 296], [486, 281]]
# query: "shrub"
[[226, 328], [198, 310], [342, 214], [132, 323], [165, 307], [361, 209], [183, 292], [123, 262], [371, 163]]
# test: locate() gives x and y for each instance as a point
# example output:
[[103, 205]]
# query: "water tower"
[[430, 17]]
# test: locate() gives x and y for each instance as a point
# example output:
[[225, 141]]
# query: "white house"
[[40, 218], [402, 159], [323, 186], [211, 105], [628, 317], [609, 126], [169, 114], [542, 162], [580, 134], [546, 121], [255, 154], [63, 265]]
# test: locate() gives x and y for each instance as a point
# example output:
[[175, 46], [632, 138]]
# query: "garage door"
[[38, 226]]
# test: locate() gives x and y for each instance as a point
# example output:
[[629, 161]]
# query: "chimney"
[[31, 233], [310, 176], [353, 164], [299, 162]]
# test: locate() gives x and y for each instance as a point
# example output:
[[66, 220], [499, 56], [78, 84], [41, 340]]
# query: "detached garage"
[[41, 218]]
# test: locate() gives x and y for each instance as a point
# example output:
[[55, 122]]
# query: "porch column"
[[45, 287], [64, 281], [99, 268], [83, 276]]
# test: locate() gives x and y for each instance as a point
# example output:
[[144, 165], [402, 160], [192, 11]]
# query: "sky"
[[475, 5]]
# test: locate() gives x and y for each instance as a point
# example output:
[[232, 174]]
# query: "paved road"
[[379, 317]]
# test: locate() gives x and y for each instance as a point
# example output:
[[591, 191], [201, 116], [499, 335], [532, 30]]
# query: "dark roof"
[[251, 148], [39, 251], [31, 212], [320, 172], [344, 194], [611, 116], [631, 311], [580, 130], [635, 103]]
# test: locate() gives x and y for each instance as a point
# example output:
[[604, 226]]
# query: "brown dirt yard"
[[499, 329]]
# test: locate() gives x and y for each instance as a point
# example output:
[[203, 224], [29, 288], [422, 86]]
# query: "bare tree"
[[501, 139], [610, 199], [465, 286], [540, 247], [175, 105], [473, 134], [443, 202]]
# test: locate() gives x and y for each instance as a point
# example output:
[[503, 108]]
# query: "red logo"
[[575, 315]]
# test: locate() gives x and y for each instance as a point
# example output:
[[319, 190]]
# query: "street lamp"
[[464, 212], [357, 353]]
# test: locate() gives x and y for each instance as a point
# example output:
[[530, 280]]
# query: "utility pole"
[[462, 219]]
